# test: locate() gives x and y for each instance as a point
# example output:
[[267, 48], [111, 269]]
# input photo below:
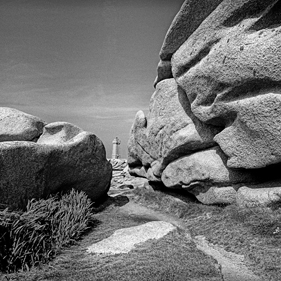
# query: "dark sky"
[[88, 62]]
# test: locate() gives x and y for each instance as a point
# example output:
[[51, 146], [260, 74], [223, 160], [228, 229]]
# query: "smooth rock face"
[[169, 131], [204, 168], [230, 69], [124, 240], [16, 125], [64, 157]]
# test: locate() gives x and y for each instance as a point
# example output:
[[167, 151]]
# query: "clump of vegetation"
[[36, 235]]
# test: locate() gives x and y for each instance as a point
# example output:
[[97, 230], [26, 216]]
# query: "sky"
[[88, 62]]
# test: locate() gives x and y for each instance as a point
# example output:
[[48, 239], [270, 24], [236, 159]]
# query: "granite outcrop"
[[214, 120], [62, 157]]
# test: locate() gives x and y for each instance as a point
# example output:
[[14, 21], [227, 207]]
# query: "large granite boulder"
[[168, 132], [63, 158], [230, 70], [206, 175], [218, 80], [204, 168], [20, 126]]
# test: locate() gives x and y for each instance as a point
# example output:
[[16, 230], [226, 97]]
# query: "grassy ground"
[[173, 257], [254, 233], [36, 235]]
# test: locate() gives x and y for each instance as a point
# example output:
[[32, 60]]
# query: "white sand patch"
[[124, 240]]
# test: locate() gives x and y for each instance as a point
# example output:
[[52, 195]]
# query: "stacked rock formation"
[[122, 180], [214, 120], [119, 171], [37, 159]]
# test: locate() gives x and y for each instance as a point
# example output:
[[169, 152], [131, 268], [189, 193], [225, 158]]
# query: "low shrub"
[[36, 235]]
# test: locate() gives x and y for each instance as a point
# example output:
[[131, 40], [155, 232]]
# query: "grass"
[[36, 235], [252, 232], [173, 257]]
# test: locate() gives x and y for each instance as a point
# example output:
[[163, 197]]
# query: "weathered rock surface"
[[164, 71], [64, 157], [215, 195], [144, 172], [218, 80], [230, 69], [259, 195], [169, 131], [16, 125], [118, 164], [253, 140], [120, 173], [138, 182], [190, 16], [205, 168], [206, 175]]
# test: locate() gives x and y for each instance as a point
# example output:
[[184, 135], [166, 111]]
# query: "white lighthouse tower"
[[115, 148]]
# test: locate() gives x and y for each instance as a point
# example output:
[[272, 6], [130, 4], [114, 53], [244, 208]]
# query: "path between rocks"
[[231, 264], [133, 242]]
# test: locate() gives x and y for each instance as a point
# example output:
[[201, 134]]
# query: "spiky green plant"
[[36, 235]]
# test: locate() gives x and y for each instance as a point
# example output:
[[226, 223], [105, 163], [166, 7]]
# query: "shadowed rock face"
[[168, 132], [63, 158], [225, 57]]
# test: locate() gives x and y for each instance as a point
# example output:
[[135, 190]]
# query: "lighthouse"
[[115, 148]]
